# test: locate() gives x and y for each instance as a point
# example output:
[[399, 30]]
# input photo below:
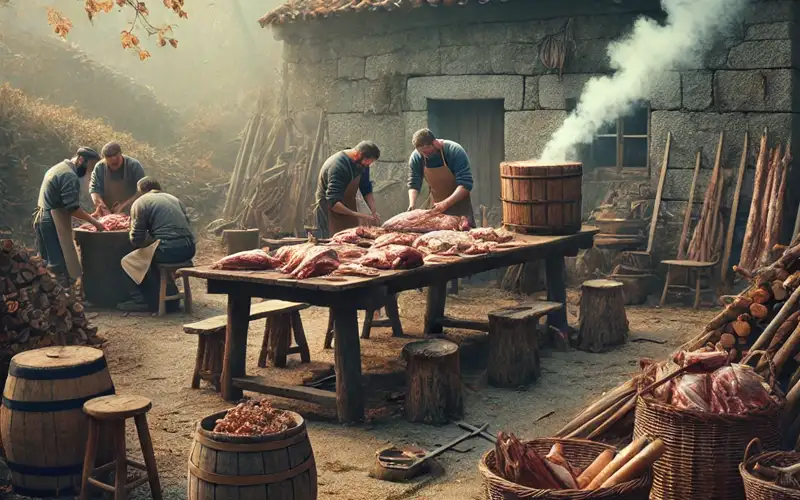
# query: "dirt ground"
[[152, 356]]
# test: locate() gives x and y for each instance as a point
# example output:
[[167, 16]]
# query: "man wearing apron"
[[445, 167], [161, 232], [341, 177], [113, 185], [59, 201]]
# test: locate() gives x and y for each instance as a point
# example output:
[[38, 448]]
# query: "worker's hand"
[[99, 226], [439, 208], [377, 217], [117, 208], [369, 219], [410, 208], [101, 210]]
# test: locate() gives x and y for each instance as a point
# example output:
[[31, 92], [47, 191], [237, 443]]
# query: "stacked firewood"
[[707, 237], [36, 310], [766, 208], [760, 328]]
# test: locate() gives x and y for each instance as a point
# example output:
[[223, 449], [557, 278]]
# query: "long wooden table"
[[346, 295]]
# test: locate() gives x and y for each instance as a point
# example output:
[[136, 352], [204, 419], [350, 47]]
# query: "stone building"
[[473, 73]]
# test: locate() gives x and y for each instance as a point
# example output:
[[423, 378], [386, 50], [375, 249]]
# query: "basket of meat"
[[706, 414], [567, 469]]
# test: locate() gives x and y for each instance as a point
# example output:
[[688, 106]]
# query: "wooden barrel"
[[276, 466], [105, 283], [42, 423], [541, 198]]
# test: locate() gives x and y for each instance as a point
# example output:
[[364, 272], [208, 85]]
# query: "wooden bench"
[[282, 318], [166, 273]]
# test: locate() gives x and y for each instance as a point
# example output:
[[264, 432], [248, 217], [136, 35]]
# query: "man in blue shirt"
[[445, 167], [113, 184], [341, 177], [59, 201]]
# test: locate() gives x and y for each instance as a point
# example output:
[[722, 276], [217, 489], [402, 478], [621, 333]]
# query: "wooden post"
[[433, 381], [277, 340], [603, 322], [434, 311], [393, 312], [513, 347], [235, 345], [349, 390], [556, 275]]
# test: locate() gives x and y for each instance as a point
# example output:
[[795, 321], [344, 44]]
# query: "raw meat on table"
[[318, 261], [406, 239], [353, 269], [441, 241], [480, 247], [356, 234], [423, 221], [292, 256], [111, 222], [347, 252], [491, 234], [392, 257], [256, 260]]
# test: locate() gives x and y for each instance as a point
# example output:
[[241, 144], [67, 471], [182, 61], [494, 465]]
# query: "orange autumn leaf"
[[143, 54], [142, 9], [129, 40], [161, 40], [122, 3], [61, 25], [174, 43]]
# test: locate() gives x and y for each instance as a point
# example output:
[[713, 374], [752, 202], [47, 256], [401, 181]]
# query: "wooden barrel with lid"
[[276, 466], [541, 197], [42, 423]]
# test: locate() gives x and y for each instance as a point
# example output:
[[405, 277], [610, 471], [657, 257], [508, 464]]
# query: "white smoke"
[[639, 60]]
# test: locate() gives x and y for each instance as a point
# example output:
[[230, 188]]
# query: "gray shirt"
[[336, 174], [101, 172], [61, 188], [160, 215]]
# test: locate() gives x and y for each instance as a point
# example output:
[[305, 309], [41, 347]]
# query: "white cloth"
[[137, 263]]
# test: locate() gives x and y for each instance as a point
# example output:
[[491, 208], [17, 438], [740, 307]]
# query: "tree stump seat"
[[603, 322], [281, 319], [433, 381], [514, 343]]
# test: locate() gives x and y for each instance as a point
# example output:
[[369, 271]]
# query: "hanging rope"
[[554, 48]]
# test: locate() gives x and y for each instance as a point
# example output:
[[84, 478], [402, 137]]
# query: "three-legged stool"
[[115, 410]]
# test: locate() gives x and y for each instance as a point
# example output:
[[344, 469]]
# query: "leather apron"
[[117, 190], [62, 220], [442, 184], [339, 222]]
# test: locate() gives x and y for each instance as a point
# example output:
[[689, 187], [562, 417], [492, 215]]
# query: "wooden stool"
[[393, 320], [115, 410], [167, 274], [211, 339], [698, 267], [433, 381], [603, 322], [514, 344], [276, 345]]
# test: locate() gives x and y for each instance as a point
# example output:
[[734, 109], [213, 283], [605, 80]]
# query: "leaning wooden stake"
[[750, 242], [659, 193], [688, 216], [726, 254]]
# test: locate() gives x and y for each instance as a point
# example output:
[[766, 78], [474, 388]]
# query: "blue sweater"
[[457, 162]]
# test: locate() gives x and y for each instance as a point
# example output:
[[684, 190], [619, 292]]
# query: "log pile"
[[760, 328], [36, 310], [273, 181]]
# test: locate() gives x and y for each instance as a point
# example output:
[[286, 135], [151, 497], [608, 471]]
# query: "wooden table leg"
[[434, 311], [666, 287], [233, 363], [556, 277], [393, 312], [349, 391]]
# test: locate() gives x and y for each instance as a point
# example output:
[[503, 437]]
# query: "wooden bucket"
[[42, 423], [275, 467], [542, 198], [105, 283]]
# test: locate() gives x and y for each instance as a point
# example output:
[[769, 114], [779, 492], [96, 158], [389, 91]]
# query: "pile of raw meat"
[[364, 251], [254, 418], [111, 222], [712, 384]]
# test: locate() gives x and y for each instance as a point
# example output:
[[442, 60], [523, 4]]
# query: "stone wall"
[[376, 85]]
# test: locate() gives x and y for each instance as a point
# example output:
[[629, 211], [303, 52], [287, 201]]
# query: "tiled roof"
[[300, 10]]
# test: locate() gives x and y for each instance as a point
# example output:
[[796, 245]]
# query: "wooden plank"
[[262, 385], [528, 310], [257, 311], [659, 193], [234, 360], [480, 326], [726, 254]]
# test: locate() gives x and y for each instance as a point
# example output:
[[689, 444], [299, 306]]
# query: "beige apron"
[[339, 222], [116, 191], [137, 263], [62, 220], [442, 184]]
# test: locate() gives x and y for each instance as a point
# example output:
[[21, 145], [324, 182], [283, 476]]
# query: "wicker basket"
[[703, 450], [579, 453], [758, 489]]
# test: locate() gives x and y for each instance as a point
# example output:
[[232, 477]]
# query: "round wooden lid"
[[538, 163], [57, 357], [431, 348], [602, 284], [117, 407]]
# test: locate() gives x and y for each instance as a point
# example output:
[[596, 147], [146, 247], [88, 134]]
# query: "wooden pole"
[[688, 215], [659, 193], [349, 390], [726, 254], [235, 358], [710, 245]]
